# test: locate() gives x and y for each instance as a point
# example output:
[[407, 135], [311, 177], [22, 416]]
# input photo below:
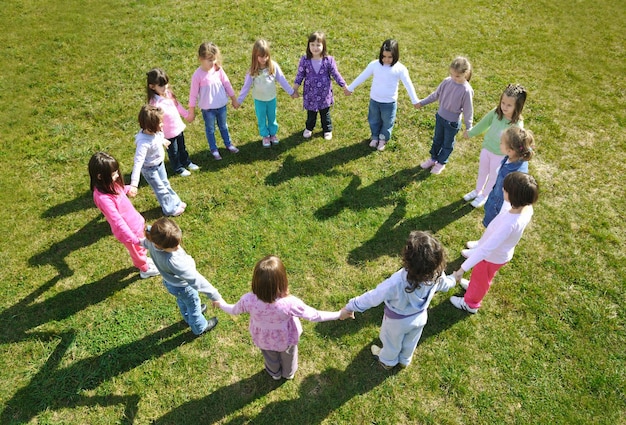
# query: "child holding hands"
[[274, 317], [406, 294]]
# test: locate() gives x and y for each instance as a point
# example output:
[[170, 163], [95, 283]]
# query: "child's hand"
[[346, 314], [191, 116], [418, 105], [167, 143], [132, 192], [458, 275], [236, 104], [216, 304], [466, 134], [346, 91], [295, 95]]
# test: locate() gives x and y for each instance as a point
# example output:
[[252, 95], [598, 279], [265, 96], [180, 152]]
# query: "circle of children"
[[503, 187]]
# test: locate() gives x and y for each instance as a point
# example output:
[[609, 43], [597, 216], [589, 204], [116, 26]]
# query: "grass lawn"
[[83, 340]]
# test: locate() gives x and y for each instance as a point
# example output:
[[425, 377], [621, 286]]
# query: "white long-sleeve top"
[[385, 82], [148, 153]]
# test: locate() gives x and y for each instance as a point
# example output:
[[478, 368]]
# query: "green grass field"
[[83, 340]]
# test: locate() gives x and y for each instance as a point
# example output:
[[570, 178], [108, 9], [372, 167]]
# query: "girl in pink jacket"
[[109, 195]]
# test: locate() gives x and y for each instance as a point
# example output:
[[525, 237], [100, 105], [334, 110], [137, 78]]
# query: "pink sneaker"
[[216, 155], [428, 163], [232, 149], [180, 210], [437, 168], [274, 140], [373, 143], [266, 142], [381, 145]]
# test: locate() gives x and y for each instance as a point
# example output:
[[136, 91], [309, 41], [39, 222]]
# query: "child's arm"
[[247, 84], [194, 90], [334, 72], [299, 309], [280, 77], [140, 156], [373, 297], [108, 206], [234, 309], [408, 85], [468, 108], [367, 72]]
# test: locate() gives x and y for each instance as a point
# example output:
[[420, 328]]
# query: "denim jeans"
[[156, 177], [190, 306], [210, 116], [443, 140], [327, 123], [266, 117], [381, 117], [177, 153]]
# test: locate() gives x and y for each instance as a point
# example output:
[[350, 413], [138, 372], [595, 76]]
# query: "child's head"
[[164, 233], [156, 78], [461, 69], [518, 144], [511, 103], [104, 173], [269, 279], [389, 52], [521, 188], [423, 258], [209, 56], [150, 118], [261, 58], [317, 38]]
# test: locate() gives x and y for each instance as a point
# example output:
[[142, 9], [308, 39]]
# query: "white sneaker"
[[466, 252], [375, 350], [307, 133], [460, 303], [479, 201], [381, 145], [152, 271], [469, 196], [193, 167], [328, 135], [428, 163], [184, 173], [464, 283], [471, 244]]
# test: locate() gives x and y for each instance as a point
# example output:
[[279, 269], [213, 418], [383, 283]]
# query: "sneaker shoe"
[[216, 155], [276, 378], [193, 167], [232, 149], [266, 142], [202, 308], [211, 323], [290, 377], [307, 133], [180, 210], [479, 201], [428, 163], [274, 140], [471, 244], [469, 196], [460, 303], [466, 252], [374, 143], [464, 283], [152, 271], [375, 350], [437, 168], [381, 145], [328, 135], [184, 173]]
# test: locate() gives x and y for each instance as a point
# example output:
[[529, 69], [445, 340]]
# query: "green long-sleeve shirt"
[[493, 128]]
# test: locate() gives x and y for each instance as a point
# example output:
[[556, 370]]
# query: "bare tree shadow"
[[55, 387], [321, 164], [391, 235]]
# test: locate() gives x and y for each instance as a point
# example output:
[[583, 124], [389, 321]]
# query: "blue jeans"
[[266, 117], [210, 116], [443, 140], [381, 117], [156, 177], [177, 153], [188, 301]]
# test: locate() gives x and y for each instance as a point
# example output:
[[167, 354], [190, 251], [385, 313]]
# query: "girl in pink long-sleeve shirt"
[[274, 323], [109, 195]]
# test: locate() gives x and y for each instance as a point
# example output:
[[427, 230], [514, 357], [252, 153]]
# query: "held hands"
[[417, 105], [466, 134], [346, 91], [216, 304], [458, 275], [295, 94], [191, 115], [167, 143], [235, 104], [132, 192], [346, 314]]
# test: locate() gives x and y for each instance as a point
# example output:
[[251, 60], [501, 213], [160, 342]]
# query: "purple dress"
[[317, 92]]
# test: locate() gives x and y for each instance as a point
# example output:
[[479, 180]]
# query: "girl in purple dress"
[[316, 68]]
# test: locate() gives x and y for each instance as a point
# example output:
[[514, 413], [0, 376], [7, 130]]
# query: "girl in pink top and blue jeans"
[[274, 323]]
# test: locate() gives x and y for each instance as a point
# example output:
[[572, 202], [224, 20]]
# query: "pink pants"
[[138, 254], [487, 171], [480, 282]]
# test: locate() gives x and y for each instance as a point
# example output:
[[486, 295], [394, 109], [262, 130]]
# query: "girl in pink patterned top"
[[274, 324]]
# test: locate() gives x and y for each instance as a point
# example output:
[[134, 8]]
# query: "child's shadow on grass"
[[56, 387], [321, 164], [392, 234]]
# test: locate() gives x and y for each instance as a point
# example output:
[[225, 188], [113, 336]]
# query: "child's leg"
[[483, 170], [173, 152], [493, 166], [435, 149], [391, 335], [409, 343], [183, 155], [480, 282], [374, 119], [272, 363], [188, 301], [388, 117], [139, 255], [260, 108], [450, 129], [272, 124], [327, 122], [209, 127], [220, 114], [311, 119], [289, 361], [157, 179]]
